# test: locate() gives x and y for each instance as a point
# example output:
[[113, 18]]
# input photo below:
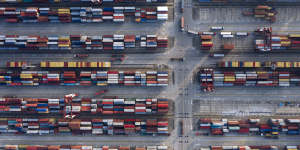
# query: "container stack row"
[[278, 42], [295, 41], [257, 64], [52, 64], [83, 147], [252, 147], [85, 1], [239, 64], [83, 14], [85, 105], [151, 14], [47, 64], [252, 78], [105, 42], [46, 126], [99, 78], [270, 128], [265, 12], [206, 42]]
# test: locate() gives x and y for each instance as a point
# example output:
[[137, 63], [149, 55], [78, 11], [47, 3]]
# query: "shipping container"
[[105, 42], [84, 14]]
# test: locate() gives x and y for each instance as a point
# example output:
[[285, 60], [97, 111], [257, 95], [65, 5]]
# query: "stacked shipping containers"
[[106, 42], [85, 106], [265, 12], [206, 42], [85, 1], [35, 126], [99, 78], [83, 147], [84, 14], [252, 74], [254, 147], [271, 128], [277, 42], [159, 13]]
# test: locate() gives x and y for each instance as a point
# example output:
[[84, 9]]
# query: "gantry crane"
[[68, 102]]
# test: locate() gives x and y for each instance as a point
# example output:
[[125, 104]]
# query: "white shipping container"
[[208, 33], [242, 33], [226, 33], [85, 128], [217, 28], [254, 129], [162, 8], [128, 110], [227, 36], [32, 131]]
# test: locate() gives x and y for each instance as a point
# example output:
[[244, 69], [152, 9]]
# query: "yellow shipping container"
[[63, 10], [138, 20], [284, 80], [283, 37], [235, 64], [280, 64], [43, 64], [248, 64], [207, 42], [270, 14], [101, 84], [296, 64], [64, 38], [56, 64], [294, 35], [261, 72], [287, 64], [100, 64], [72, 64], [27, 83], [151, 77], [285, 42], [25, 76], [81, 64], [107, 64], [229, 77], [229, 80], [11, 64], [94, 64], [63, 45]]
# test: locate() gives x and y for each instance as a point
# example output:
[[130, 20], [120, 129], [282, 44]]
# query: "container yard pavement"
[[185, 91]]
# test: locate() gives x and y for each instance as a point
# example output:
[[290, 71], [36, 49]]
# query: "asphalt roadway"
[[183, 91]]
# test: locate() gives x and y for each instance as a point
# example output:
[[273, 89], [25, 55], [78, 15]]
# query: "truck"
[[216, 55], [181, 132], [182, 23], [81, 55], [217, 28], [177, 59]]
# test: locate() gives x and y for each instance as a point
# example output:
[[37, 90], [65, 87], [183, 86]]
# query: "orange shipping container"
[[228, 46], [206, 37]]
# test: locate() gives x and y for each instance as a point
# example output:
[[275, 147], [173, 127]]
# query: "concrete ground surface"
[[190, 102]]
